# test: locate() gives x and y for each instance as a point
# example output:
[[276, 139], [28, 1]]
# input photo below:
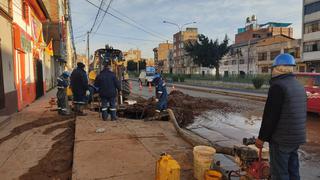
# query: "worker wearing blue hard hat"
[[62, 99], [283, 123]]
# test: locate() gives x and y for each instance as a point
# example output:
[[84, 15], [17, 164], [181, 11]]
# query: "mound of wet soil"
[[185, 107]]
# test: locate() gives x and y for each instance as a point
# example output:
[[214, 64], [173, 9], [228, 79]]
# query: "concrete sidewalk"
[[23, 143], [128, 149]]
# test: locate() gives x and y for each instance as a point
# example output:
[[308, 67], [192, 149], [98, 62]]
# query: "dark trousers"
[[284, 162], [108, 105], [62, 100], [162, 103]]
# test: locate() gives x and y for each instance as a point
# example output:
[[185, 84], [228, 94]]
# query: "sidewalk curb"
[[221, 92]]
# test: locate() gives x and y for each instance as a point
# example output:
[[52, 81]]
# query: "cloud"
[[215, 18]]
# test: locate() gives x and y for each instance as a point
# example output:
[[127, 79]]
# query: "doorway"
[[2, 98], [39, 79]]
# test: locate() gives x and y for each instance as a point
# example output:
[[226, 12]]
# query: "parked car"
[[146, 77], [311, 82]]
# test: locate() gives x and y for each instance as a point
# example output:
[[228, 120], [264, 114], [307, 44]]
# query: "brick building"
[[182, 63], [161, 56]]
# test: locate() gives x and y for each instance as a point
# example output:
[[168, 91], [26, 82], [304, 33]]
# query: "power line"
[[95, 20], [122, 14], [103, 16], [124, 21]]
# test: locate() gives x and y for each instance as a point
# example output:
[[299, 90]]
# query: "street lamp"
[[179, 26]]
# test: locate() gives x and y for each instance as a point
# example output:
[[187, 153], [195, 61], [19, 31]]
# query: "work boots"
[[78, 110]]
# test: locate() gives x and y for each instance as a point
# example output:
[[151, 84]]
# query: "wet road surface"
[[246, 123]]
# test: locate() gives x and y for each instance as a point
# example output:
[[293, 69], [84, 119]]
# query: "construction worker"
[[62, 85], [108, 85], [161, 93], [284, 119], [80, 88]]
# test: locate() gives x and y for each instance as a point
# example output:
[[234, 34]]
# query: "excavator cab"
[[115, 58]]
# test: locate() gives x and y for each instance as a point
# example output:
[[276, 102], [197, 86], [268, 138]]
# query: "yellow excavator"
[[115, 57]]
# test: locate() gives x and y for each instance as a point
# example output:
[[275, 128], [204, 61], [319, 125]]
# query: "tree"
[[207, 53], [132, 66]]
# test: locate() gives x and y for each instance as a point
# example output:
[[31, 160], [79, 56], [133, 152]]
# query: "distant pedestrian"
[[161, 93], [108, 85], [284, 120], [80, 88], [62, 85]]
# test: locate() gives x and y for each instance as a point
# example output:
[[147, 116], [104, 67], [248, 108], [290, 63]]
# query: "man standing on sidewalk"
[[62, 85], [80, 88], [284, 120], [108, 85]]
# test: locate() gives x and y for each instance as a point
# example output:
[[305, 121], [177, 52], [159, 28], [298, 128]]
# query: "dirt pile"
[[185, 107]]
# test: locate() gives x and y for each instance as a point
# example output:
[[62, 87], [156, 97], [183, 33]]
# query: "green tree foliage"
[[207, 53]]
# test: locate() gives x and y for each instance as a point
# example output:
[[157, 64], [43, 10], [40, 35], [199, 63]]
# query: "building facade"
[[29, 50], [268, 49], [161, 54], [311, 34], [8, 93], [243, 56], [132, 55], [182, 62]]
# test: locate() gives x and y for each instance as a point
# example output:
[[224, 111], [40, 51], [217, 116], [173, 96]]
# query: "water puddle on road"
[[228, 124]]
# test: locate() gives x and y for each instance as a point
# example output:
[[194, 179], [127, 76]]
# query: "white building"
[[311, 34]]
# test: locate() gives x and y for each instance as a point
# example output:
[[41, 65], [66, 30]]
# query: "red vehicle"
[[311, 82]]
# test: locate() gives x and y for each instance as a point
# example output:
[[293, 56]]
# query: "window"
[[262, 56], [311, 46], [264, 69], [241, 61], [226, 63], [312, 27], [25, 11], [301, 69], [312, 8], [256, 36], [274, 54], [234, 62]]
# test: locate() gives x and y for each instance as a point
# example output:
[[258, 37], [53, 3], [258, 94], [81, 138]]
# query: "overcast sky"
[[214, 18]]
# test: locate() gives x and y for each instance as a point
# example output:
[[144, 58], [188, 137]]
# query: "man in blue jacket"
[[161, 93], [108, 85], [62, 85], [284, 120], [80, 88]]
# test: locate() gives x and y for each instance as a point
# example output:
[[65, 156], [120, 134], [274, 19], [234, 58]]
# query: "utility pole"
[[88, 46]]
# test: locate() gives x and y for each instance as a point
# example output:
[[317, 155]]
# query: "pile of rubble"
[[185, 107]]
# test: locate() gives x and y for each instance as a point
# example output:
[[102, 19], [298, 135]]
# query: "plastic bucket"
[[202, 158]]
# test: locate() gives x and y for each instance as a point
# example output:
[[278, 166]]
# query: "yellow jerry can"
[[167, 168]]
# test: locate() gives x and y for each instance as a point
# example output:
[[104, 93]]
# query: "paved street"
[[246, 123]]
